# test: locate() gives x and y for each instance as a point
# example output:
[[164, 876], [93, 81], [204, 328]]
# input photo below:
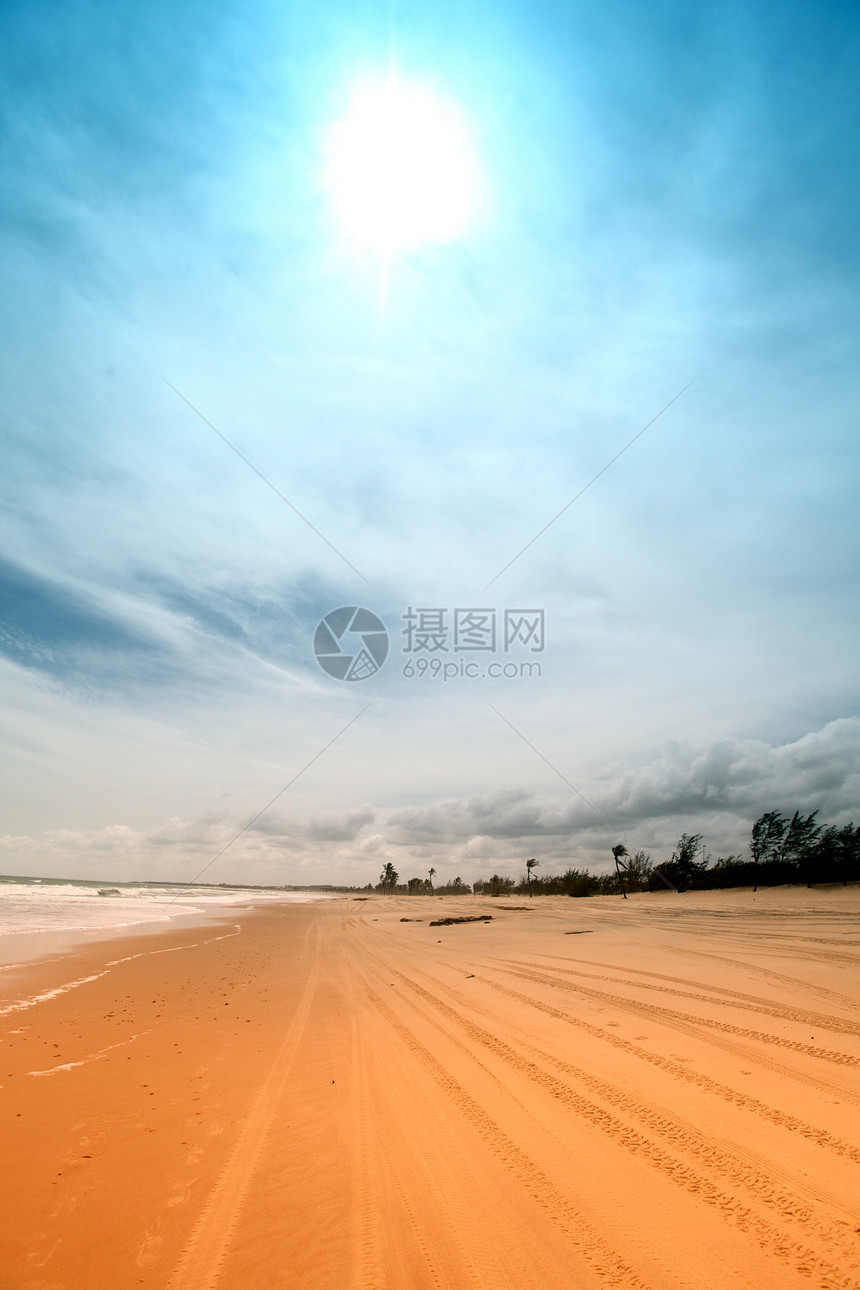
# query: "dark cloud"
[[340, 827], [818, 771], [332, 826], [727, 783]]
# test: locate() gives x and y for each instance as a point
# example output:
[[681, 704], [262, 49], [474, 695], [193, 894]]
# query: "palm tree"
[[432, 876], [531, 864], [619, 851], [388, 877]]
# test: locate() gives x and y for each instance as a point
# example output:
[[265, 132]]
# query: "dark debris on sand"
[[468, 918]]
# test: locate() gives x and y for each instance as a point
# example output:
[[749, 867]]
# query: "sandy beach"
[[586, 1093]]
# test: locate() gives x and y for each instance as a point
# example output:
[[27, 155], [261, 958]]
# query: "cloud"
[[179, 849], [720, 785], [53, 628], [818, 771], [372, 845], [344, 826], [716, 787], [155, 635], [333, 826]]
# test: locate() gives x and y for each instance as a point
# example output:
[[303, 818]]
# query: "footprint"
[[65, 1207], [150, 1251], [35, 1260]]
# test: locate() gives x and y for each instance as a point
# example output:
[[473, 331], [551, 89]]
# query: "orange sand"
[[324, 1097]]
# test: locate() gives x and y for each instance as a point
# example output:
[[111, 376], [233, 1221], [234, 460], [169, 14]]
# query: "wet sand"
[[579, 1093]]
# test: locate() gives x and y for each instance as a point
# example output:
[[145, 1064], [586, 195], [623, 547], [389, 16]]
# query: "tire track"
[[384, 972], [701, 928], [682, 1137], [374, 1149], [728, 998], [783, 1119], [809, 940], [834, 958], [584, 1240], [769, 974], [477, 1257], [465, 1263], [796, 942], [688, 1027], [718, 989], [652, 1009], [365, 1263], [742, 1168], [679, 1071], [199, 1265], [368, 1265]]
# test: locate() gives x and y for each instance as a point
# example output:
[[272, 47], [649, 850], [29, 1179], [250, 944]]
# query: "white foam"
[[93, 1057], [40, 905], [21, 1004], [173, 949], [55, 907]]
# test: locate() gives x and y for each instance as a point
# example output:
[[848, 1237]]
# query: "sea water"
[[78, 905], [41, 918]]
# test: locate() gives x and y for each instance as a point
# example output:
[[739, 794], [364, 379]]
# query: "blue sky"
[[669, 195]]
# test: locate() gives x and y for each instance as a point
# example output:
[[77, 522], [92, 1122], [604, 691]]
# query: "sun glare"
[[401, 169]]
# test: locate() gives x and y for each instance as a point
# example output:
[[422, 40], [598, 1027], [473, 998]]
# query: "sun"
[[402, 170]]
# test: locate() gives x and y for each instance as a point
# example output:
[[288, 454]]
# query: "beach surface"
[[660, 1092]]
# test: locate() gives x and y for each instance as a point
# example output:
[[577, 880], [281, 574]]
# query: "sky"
[[225, 415]]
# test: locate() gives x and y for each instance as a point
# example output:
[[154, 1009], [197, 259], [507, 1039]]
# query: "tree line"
[[782, 849]]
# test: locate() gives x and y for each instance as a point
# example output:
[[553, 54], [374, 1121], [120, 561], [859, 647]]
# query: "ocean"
[[78, 905], [43, 917]]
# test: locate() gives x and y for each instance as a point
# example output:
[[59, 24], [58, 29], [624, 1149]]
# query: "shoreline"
[[21, 949], [17, 948], [323, 1096]]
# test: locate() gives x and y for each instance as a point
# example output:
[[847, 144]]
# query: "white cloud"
[[717, 787]]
